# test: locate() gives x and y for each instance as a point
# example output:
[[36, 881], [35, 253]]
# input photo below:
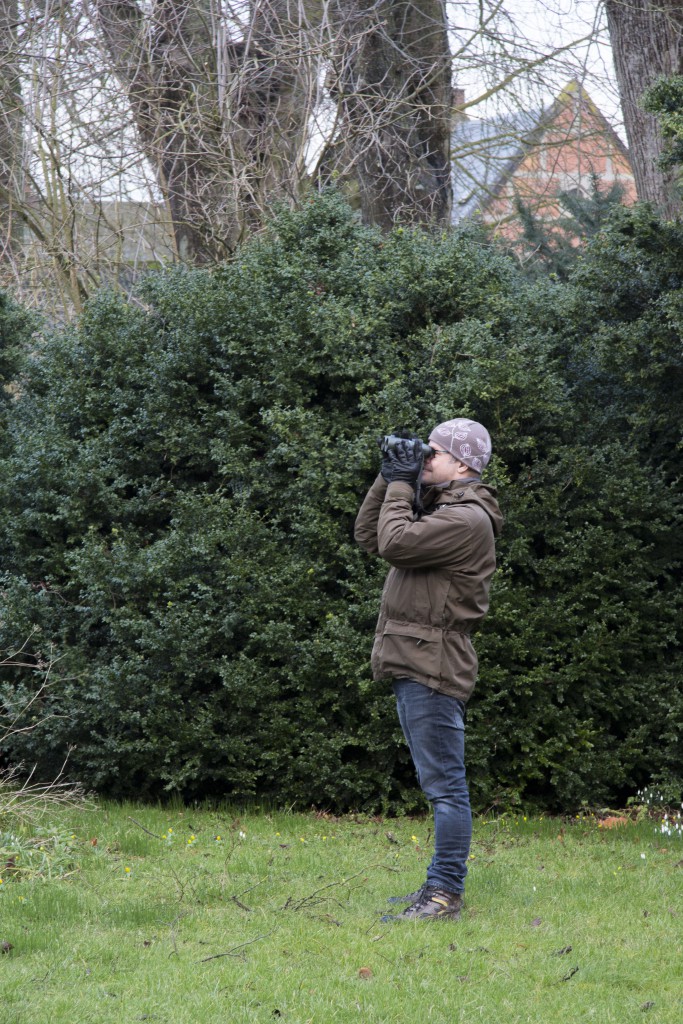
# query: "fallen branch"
[[153, 834], [239, 903], [231, 952], [313, 898], [23, 798], [236, 897]]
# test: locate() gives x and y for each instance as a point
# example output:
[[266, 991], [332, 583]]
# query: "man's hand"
[[387, 467], [404, 462]]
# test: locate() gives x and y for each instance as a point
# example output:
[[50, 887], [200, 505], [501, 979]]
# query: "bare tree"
[[221, 99], [647, 42], [148, 131], [390, 76], [68, 159], [10, 128]]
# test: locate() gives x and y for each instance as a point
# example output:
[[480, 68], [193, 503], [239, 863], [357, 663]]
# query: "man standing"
[[442, 559]]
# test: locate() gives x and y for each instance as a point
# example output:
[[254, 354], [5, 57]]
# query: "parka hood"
[[466, 492]]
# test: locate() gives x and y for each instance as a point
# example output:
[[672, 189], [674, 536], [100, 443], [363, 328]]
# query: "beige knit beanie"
[[466, 440]]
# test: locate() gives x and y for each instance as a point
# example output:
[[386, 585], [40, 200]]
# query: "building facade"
[[533, 157]]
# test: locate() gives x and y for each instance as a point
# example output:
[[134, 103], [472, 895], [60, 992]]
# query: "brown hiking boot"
[[432, 904], [412, 897]]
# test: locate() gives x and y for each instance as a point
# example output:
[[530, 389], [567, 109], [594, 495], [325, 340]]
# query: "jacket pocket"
[[458, 659], [406, 649]]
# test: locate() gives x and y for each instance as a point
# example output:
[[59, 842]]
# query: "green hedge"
[[182, 476]]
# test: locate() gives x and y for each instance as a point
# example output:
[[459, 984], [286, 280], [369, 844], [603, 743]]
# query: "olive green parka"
[[437, 589]]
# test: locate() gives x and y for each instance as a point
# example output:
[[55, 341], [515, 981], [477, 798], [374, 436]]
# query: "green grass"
[[273, 921]]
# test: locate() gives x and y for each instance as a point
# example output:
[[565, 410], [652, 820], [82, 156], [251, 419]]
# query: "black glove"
[[387, 467], [404, 462]]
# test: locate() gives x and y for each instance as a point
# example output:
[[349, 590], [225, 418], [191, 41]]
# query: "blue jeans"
[[433, 726]]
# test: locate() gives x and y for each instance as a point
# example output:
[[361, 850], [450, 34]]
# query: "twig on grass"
[[153, 834], [236, 896], [241, 905], [181, 885], [311, 899], [174, 931], [232, 952]]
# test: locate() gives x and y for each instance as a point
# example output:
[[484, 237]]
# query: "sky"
[[547, 24]]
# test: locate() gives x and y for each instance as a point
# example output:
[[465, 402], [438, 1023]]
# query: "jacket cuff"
[[400, 489], [379, 485]]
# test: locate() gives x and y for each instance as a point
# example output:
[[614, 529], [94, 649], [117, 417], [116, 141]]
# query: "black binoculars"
[[390, 441]]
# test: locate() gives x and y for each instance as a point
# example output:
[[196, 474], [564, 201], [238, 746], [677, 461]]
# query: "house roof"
[[485, 153], [481, 154]]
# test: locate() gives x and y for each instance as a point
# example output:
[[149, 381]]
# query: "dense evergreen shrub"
[[180, 493], [16, 331]]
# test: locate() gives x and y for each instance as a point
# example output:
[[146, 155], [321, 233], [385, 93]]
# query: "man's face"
[[440, 468]]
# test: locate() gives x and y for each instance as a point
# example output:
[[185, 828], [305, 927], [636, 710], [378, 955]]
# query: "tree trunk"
[[391, 80], [647, 42], [221, 121], [11, 125]]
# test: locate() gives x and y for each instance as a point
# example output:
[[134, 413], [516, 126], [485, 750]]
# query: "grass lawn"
[[267, 917]]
